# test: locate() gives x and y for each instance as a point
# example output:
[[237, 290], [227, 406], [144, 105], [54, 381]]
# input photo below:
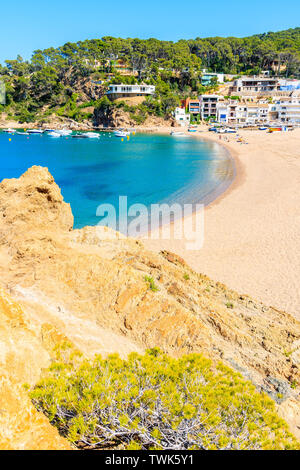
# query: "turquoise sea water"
[[147, 169]]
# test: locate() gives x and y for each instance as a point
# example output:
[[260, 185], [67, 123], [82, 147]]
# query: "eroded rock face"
[[117, 117], [22, 356], [34, 200], [90, 285]]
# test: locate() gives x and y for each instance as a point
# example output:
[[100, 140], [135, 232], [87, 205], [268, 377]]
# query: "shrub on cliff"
[[154, 401]]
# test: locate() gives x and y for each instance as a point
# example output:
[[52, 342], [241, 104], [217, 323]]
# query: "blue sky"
[[37, 24]]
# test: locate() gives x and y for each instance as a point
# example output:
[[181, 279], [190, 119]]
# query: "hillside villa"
[[207, 78], [126, 91], [255, 85]]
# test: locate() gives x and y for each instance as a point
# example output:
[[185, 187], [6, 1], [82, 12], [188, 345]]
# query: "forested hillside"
[[51, 82]]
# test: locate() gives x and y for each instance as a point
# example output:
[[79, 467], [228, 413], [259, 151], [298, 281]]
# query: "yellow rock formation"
[[89, 286]]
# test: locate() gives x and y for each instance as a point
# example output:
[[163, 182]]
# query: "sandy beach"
[[252, 231]]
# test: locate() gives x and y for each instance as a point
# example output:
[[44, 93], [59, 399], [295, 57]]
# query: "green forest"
[[50, 82]]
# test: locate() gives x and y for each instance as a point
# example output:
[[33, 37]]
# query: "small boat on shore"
[[276, 129], [177, 133]]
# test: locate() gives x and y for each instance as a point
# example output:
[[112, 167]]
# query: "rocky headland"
[[88, 286]]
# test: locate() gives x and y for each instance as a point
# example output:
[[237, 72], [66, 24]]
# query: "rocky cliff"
[[117, 117], [89, 286]]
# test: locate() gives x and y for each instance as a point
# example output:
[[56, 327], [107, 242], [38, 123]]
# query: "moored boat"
[[54, 134], [9, 131], [92, 135], [64, 132], [121, 134], [79, 136], [35, 131]]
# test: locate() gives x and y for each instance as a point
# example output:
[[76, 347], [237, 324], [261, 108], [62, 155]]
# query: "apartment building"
[[288, 110], [208, 106], [193, 106], [234, 112]]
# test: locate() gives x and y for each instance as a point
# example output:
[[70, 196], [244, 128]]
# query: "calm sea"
[[147, 169]]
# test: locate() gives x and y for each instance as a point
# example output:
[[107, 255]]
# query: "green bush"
[[151, 283], [154, 401]]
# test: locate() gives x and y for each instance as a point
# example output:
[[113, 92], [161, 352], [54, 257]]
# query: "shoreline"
[[252, 243], [252, 239], [223, 185], [238, 178]]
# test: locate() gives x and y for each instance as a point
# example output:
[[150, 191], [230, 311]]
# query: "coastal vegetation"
[[151, 283], [154, 401], [51, 82]]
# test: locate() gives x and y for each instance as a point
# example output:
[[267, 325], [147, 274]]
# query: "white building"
[[289, 110], [126, 91], [289, 84], [181, 117], [223, 112], [255, 85], [234, 112]]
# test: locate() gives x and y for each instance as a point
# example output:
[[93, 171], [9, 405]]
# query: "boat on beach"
[[177, 133]]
